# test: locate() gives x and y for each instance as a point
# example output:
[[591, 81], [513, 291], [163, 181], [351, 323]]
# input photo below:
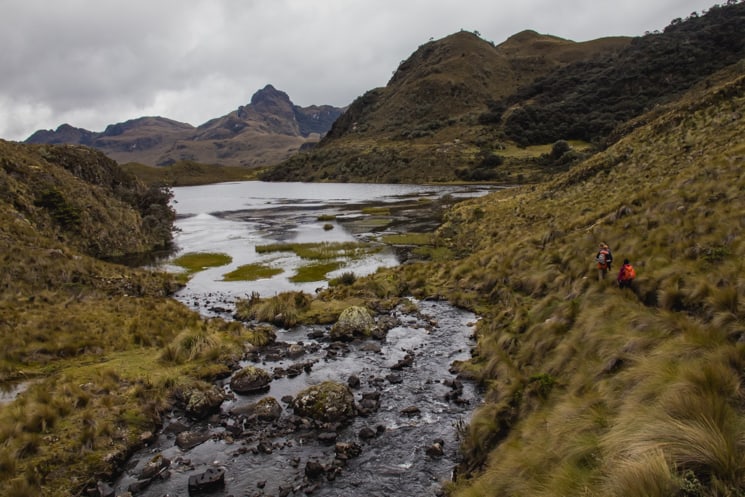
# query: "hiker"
[[609, 257], [602, 260], [626, 275]]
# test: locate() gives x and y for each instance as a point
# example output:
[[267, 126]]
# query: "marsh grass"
[[314, 272], [320, 250], [284, 309], [252, 272], [194, 262]]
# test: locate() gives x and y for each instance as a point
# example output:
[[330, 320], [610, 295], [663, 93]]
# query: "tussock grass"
[[319, 250], [284, 309]]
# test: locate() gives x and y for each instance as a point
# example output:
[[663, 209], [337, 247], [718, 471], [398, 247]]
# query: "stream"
[[410, 404]]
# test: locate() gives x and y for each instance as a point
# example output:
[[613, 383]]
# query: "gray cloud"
[[92, 63]]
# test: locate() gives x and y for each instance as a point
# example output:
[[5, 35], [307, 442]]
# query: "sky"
[[91, 63]]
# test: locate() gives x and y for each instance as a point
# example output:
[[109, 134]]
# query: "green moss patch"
[[252, 272], [194, 262], [314, 272]]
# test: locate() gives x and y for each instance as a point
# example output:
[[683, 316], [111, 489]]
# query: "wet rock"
[[436, 449], [371, 347], [314, 470], [203, 403], [406, 362], [211, 479], [295, 350], [329, 401], [346, 450], [327, 437], [154, 466], [410, 411], [189, 439], [353, 321], [353, 381], [367, 433], [369, 403], [394, 379], [266, 409], [175, 427], [250, 380]]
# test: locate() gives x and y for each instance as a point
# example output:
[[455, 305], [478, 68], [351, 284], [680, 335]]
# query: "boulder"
[[353, 321], [250, 380], [327, 402], [189, 439], [267, 409], [211, 479], [202, 403]]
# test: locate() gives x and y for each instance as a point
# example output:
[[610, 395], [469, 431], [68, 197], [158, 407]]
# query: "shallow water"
[[234, 218], [393, 463]]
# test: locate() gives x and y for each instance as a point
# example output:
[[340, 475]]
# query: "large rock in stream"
[[353, 321], [250, 380], [329, 401]]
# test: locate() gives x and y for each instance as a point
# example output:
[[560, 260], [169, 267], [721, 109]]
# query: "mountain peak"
[[269, 94]]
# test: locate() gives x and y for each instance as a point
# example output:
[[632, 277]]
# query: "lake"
[[235, 218]]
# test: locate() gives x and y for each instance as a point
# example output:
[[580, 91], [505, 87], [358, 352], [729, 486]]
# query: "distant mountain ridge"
[[261, 133]]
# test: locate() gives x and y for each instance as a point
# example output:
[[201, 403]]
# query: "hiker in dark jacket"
[[602, 260]]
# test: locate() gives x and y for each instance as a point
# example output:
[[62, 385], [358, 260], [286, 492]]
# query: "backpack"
[[602, 259], [628, 273]]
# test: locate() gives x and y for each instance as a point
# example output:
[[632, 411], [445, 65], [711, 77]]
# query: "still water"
[[234, 218]]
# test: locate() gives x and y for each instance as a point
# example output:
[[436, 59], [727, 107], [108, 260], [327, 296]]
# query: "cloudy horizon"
[[90, 64]]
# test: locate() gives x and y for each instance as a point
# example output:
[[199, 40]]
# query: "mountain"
[[424, 123], [267, 130], [461, 109]]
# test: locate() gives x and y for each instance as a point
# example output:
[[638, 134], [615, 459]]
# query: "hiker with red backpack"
[[603, 258], [626, 275]]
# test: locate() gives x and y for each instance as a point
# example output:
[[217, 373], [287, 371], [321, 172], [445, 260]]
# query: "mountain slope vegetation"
[[424, 124], [592, 389], [99, 349], [462, 109]]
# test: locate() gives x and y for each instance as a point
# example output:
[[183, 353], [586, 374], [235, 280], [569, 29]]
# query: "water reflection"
[[233, 218]]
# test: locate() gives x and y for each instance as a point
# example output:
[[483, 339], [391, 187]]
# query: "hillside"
[[100, 349], [462, 109], [591, 389], [424, 123], [267, 130]]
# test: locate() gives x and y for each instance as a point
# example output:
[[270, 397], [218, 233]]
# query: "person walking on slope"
[[603, 259], [626, 275]]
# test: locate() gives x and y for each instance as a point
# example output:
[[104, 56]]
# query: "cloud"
[[90, 63]]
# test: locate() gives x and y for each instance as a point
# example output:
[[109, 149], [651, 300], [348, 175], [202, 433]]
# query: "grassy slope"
[[593, 390], [103, 346]]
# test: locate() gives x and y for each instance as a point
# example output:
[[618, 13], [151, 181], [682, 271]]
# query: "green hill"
[[462, 109], [425, 123], [101, 349]]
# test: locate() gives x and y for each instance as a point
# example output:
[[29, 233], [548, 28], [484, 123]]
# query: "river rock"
[[267, 409], [329, 402], [154, 466], [212, 478], [353, 321], [250, 380], [189, 439], [202, 403]]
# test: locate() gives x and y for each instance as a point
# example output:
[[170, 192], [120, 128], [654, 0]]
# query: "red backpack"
[[628, 273]]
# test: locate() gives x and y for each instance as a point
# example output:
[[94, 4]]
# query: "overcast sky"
[[90, 63]]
